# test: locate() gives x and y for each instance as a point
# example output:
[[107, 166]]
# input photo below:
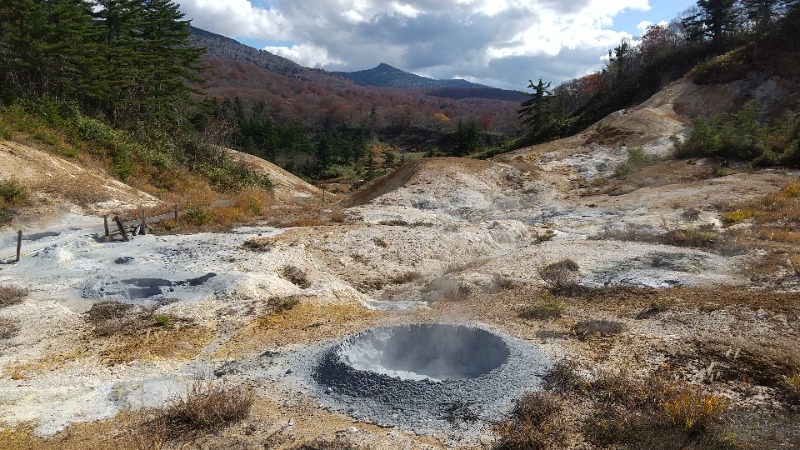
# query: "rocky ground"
[[439, 240]]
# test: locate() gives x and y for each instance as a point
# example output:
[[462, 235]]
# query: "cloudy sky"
[[501, 43]]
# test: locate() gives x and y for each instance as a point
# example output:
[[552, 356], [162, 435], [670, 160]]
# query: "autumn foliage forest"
[[215, 91]]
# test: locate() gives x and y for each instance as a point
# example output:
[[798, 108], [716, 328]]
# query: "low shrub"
[[745, 135], [162, 320], [208, 406], [12, 192], [637, 159], [11, 295], [198, 216]]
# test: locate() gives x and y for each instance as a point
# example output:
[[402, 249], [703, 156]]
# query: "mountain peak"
[[384, 75]]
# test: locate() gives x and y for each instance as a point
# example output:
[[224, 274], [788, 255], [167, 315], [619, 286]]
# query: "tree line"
[[128, 60], [662, 54]]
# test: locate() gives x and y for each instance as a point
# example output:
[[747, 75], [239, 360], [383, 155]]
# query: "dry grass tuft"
[[261, 244], [406, 277], [282, 304], [208, 406], [602, 328], [564, 378], [8, 328], [11, 295], [560, 275], [339, 443], [296, 275], [111, 317], [701, 237], [693, 410]]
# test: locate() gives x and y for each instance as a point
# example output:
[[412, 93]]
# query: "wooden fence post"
[[143, 227], [19, 245], [176, 214], [121, 228], [105, 224]]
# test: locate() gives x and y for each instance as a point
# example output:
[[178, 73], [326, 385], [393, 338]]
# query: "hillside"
[[315, 98]]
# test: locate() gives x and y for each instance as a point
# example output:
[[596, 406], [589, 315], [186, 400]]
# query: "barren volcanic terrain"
[[538, 260]]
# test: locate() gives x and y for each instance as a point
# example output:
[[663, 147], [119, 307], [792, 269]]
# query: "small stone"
[[290, 423], [351, 430], [288, 371]]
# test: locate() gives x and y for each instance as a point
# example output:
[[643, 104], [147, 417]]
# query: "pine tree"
[[148, 60], [719, 17], [535, 114]]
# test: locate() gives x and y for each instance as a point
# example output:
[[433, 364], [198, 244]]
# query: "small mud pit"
[[413, 375]]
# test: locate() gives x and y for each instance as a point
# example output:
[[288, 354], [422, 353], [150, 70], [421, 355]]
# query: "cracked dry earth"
[[438, 241]]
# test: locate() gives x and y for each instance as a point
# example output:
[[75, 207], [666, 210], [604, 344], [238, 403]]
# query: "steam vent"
[[424, 374]]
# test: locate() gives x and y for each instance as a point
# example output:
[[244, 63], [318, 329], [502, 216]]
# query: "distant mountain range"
[[383, 75]]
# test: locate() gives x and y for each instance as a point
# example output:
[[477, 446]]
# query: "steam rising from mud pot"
[[418, 352]]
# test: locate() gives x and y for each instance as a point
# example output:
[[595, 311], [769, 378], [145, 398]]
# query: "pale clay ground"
[[456, 225]]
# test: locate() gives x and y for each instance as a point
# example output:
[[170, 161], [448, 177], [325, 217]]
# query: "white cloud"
[[305, 55], [437, 37], [236, 18]]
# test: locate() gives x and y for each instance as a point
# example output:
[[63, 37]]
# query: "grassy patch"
[[12, 193], [740, 215], [637, 159], [549, 307], [11, 295], [208, 406], [162, 320], [536, 422], [654, 412], [704, 236]]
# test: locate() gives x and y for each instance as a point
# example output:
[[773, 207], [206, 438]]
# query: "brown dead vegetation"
[[304, 323], [128, 332], [11, 295]]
